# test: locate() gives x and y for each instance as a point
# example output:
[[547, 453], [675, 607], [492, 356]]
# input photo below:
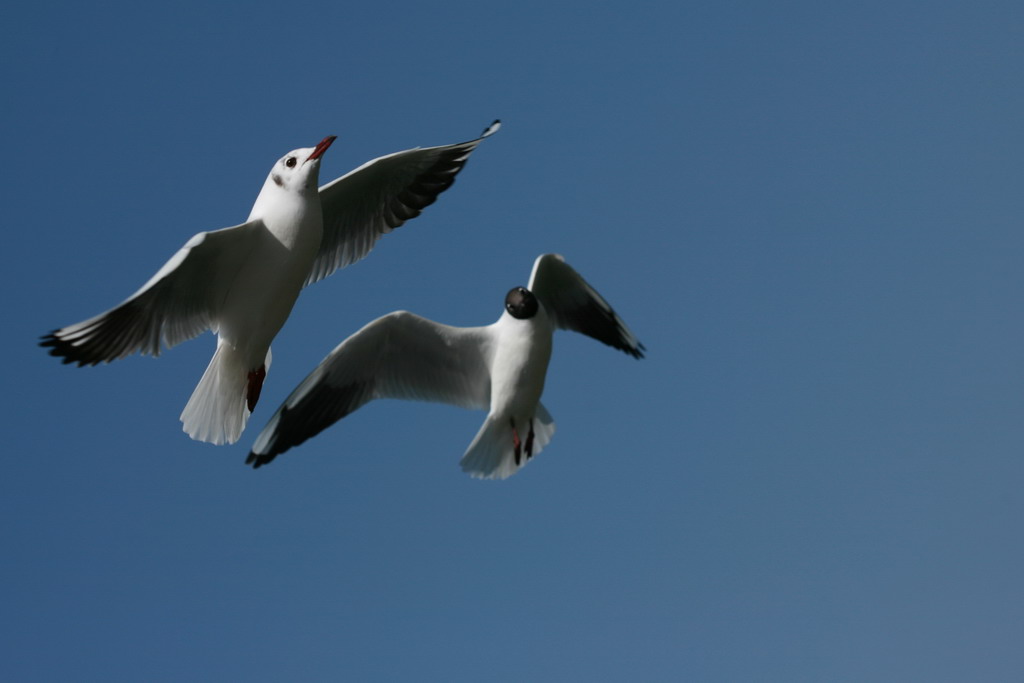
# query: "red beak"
[[322, 147]]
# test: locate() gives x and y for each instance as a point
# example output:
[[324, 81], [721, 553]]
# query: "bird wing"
[[574, 305], [400, 355], [182, 300], [381, 195]]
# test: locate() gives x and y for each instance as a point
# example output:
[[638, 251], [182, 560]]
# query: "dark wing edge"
[[574, 304], [359, 207], [319, 406], [173, 306]]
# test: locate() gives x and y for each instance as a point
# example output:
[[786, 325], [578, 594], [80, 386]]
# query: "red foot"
[[255, 386], [515, 441]]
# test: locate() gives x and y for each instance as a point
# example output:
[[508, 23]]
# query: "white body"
[[520, 351], [286, 228]]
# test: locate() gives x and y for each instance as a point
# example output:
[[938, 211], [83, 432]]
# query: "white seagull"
[[499, 368], [241, 282]]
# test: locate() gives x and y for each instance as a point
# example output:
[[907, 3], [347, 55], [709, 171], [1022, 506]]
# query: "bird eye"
[[290, 162]]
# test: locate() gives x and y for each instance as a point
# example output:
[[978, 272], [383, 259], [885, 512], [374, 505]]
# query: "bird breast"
[[520, 363], [266, 287], [297, 224]]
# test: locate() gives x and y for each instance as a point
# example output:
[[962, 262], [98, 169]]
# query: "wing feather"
[[179, 302], [380, 196], [400, 355], [574, 304]]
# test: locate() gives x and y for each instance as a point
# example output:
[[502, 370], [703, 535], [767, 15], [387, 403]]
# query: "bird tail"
[[222, 401], [492, 455]]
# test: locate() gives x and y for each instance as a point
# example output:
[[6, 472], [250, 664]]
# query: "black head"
[[521, 303]]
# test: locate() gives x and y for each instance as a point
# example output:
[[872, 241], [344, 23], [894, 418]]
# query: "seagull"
[[241, 282], [499, 368]]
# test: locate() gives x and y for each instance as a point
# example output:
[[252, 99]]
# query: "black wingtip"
[[67, 352], [491, 129], [50, 340], [258, 460]]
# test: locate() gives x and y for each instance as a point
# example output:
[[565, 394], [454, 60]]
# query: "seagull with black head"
[[500, 368]]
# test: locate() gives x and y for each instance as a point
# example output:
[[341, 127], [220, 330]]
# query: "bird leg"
[[529, 441], [255, 386], [516, 445]]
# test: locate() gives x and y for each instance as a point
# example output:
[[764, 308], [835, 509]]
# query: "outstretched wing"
[[381, 195], [574, 305], [400, 355], [179, 302]]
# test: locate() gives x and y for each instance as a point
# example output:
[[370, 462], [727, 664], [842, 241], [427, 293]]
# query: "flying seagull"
[[241, 282], [499, 368]]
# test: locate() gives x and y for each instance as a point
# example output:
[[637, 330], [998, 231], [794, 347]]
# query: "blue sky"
[[810, 213]]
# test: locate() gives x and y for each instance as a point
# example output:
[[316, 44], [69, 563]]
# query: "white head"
[[297, 173]]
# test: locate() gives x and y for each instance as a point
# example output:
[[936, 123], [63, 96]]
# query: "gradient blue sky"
[[809, 212]]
